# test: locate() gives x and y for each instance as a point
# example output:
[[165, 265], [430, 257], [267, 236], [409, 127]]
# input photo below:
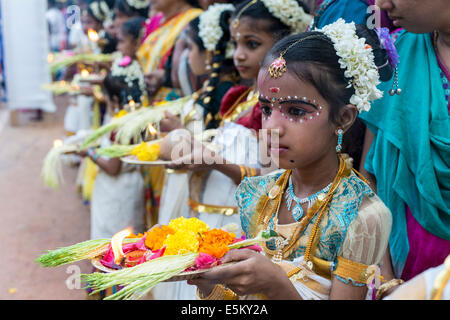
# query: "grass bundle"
[[140, 279], [116, 150], [83, 57], [51, 171], [81, 251], [107, 128], [61, 87], [152, 115]]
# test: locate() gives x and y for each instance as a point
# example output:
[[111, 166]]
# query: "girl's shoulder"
[[233, 95], [252, 188]]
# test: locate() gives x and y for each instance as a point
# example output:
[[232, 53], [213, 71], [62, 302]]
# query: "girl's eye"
[[253, 44], [296, 112], [265, 110]]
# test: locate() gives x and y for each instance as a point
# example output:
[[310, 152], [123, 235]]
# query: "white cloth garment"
[[26, 48], [118, 201], [239, 146]]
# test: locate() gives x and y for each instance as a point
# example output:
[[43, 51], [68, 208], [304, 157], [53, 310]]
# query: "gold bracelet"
[[386, 286], [219, 293], [243, 172]]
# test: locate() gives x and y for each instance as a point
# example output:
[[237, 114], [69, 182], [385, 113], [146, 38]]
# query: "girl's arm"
[[109, 165]]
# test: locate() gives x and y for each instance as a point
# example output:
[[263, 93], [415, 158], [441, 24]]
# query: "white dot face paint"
[[294, 109]]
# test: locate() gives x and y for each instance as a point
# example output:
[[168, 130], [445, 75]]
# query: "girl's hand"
[[87, 90], [154, 81], [170, 122], [251, 274], [82, 153]]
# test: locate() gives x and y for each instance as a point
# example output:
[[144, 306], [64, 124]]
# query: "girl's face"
[[251, 46], [164, 5], [88, 22], [196, 59], [300, 115], [119, 20], [127, 45], [418, 16]]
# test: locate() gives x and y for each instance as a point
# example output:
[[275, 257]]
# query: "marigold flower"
[[188, 224], [181, 242], [154, 238], [146, 152], [215, 242]]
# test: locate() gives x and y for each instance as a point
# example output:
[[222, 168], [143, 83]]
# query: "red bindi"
[[274, 89]]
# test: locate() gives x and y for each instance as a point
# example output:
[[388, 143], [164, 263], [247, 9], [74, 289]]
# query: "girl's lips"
[[279, 149], [242, 68]]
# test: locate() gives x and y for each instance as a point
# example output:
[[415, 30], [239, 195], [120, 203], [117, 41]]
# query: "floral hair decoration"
[[357, 59], [130, 69], [209, 28], [287, 11], [138, 4]]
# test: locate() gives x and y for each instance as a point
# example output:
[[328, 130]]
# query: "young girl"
[[212, 185], [331, 226], [254, 31], [118, 194]]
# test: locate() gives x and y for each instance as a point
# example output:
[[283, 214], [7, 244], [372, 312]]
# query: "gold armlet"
[[386, 286], [219, 293], [243, 172], [358, 272]]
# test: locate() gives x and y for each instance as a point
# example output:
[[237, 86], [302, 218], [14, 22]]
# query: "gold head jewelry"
[[238, 15], [278, 66]]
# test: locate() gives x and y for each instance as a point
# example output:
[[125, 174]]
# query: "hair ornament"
[[358, 61]]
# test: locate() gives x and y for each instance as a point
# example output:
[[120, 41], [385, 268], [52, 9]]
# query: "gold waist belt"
[[209, 208]]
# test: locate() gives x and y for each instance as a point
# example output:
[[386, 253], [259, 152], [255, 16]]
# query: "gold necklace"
[[320, 205]]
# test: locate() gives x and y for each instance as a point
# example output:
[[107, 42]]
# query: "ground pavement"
[[35, 218]]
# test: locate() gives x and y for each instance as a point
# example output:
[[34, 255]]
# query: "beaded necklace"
[[270, 205], [297, 211]]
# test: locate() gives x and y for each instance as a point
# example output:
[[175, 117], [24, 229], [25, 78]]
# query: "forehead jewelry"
[[278, 66], [238, 15]]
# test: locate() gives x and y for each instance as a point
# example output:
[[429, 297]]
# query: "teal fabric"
[[343, 210], [349, 10], [410, 153]]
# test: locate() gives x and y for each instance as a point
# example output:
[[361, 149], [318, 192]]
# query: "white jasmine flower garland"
[[139, 4], [357, 59], [209, 29], [290, 13], [131, 72]]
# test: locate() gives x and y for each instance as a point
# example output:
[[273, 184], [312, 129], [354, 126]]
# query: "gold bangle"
[[243, 172], [386, 286], [219, 293]]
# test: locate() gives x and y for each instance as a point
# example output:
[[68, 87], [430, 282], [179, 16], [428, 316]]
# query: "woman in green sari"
[[408, 145]]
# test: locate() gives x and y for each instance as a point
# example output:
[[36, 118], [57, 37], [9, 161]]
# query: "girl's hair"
[[126, 9], [133, 27], [258, 11], [104, 15], [193, 3], [117, 87], [220, 64], [315, 61]]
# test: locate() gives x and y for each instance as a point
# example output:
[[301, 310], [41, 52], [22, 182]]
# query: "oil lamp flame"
[[93, 35], [152, 130], [84, 73], [116, 244], [57, 143]]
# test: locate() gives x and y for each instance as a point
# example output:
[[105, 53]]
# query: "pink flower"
[[125, 61], [204, 261], [156, 254]]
